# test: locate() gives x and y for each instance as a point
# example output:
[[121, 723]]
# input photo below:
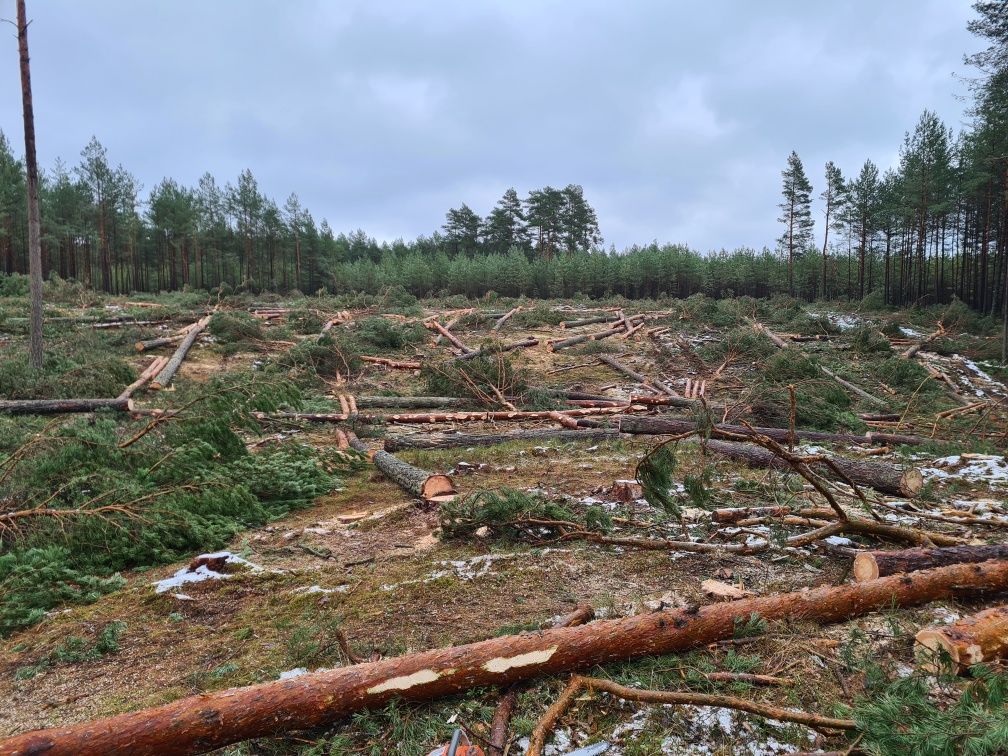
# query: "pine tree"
[[833, 197], [796, 214]]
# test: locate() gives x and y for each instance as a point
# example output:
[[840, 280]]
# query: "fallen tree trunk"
[[459, 440], [660, 426], [163, 378], [205, 722], [730, 515], [147, 375], [145, 346], [394, 364], [869, 565], [639, 377], [428, 486], [557, 344], [503, 415], [607, 318], [408, 402], [498, 349], [62, 406], [504, 319], [971, 640], [854, 389], [878, 475], [435, 326], [819, 518]]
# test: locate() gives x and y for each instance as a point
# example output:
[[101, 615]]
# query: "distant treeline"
[[934, 226]]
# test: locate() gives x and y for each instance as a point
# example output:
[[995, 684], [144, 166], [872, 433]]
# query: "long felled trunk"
[[203, 723], [60, 406], [168, 372], [882, 477], [456, 440]]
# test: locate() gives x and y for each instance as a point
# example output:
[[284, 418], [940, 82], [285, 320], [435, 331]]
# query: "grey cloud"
[[677, 118]]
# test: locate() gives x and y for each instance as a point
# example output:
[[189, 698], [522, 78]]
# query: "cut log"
[[394, 364], [463, 440], [435, 326], [408, 402], [878, 475], [660, 426], [854, 389], [162, 379], [428, 486], [869, 565], [63, 406], [498, 348], [212, 720], [819, 518], [639, 377], [147, 375], [149, 344], [912, 350], [609, 317], [736, 514], [503, 415], [504, 319], [451, 324], [980, 638], [557, 344]]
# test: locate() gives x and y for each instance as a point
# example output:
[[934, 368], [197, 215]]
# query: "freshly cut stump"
[[982, 637]]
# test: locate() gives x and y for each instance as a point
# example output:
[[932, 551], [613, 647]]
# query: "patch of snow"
[[844, 321], [291, 673], [201, 573], [978, 468], [320, 589], [838, 541], [910, 332], [463, 569]]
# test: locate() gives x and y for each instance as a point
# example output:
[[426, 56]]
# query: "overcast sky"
[[676, 117]]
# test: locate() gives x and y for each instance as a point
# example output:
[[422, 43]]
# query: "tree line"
[[932, 227]]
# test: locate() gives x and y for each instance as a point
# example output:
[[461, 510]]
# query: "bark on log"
[[980, 638], [205, 722], [820, 517], [498, 348], [408, 402], [435, 326], [869, 565], [168, 372], [504, 319], [607, 318], [639, 377], [63, 406], [557, 344], [427, 485], [461, 440], [660, 426], [146, 346], [502, 415], [854, 389], [147, 375], [395, 364], [730, 515], [878, 475]]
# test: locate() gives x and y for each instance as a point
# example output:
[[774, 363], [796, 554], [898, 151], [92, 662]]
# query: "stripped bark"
[[205, 722], [435, 326], [162, 379], [980, 638], [408, 402], [428, 486], [869, 565]]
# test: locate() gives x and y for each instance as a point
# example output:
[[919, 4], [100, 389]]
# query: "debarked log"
[[206, 722]]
